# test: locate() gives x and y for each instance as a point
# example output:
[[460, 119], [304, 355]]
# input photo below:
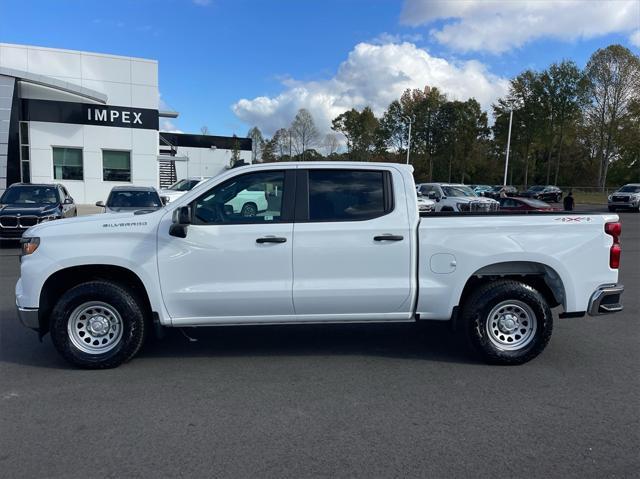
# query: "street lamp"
[[409, 139], [506, 162]]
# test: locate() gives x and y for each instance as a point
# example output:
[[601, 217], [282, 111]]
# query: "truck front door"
[[235, 264]]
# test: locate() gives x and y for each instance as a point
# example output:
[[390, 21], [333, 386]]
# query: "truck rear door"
[[352, 245]]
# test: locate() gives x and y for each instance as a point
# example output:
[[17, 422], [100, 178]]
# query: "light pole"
[[409, 139], [506, 162]]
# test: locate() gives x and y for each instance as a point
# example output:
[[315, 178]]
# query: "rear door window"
[[347, 195]]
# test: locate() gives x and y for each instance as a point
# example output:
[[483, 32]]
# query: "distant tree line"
[[569, 127]]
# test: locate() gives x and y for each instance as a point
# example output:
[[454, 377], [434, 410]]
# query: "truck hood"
[[120, 222], [33, 209], [172, 194]]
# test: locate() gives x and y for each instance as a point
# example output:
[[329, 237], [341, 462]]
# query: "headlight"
[[463, 206], [29, 245], [49, 218], [609, 197]]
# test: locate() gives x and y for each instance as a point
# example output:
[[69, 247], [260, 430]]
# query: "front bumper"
[[606, 300], [29, 317]]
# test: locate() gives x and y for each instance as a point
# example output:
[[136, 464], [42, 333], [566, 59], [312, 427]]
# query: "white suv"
[[456, 197]]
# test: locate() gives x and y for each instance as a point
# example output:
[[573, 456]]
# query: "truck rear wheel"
[[97, 325], [507, 322]]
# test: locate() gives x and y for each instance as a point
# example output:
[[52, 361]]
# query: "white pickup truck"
[[339, 243]]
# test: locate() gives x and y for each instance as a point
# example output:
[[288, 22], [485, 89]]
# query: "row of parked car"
[[485, 198], [24, 205]]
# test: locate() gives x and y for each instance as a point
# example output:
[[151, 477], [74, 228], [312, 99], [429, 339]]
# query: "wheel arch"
[[539, 276], [64, 279]]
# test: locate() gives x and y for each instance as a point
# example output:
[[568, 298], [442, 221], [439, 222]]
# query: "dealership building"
[[92, 121]]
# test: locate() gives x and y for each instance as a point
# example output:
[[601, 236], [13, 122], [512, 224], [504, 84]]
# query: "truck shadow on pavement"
[[422, 341], [428, 342]]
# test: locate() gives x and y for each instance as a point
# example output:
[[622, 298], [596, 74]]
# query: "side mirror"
[[420, 195], [99, 203], [164, 199], [434, 196], [68, 201], [181, 220]]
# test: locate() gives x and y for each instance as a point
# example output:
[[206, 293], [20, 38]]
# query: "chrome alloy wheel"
[[511, 325], [95, 327]]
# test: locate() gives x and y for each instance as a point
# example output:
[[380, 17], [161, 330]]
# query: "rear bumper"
[[606, 300], [29, 317]]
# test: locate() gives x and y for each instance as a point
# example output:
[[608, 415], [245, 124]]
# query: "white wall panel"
[[144, 72], [44, 135], [54, 62], [14, 57], [118, 94], [104, 68], [143, 96]]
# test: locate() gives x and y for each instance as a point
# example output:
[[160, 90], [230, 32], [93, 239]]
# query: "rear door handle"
[[388, 238], [271, 239]]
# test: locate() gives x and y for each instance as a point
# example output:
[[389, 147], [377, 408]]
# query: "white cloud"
[[169, 126], [372, 75], [634, 39], [498, 26]]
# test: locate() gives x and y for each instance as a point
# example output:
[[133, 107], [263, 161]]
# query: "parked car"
[[180, 187], [524, 204], [545, 193], [626, 198], [425, 204], [495, 191], [131, 198], [480, 190], [23, 205], [361, 252], [456, 197]]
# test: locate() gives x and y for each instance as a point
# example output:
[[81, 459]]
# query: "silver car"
[[132, 198], [626, 198]]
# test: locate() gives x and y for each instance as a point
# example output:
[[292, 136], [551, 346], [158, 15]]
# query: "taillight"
[[614, 229]]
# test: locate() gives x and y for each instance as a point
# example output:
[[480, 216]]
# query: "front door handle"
[[271, 239], [388, 238]]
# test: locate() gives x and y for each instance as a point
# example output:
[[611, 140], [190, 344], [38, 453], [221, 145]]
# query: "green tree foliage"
[[571, 127]]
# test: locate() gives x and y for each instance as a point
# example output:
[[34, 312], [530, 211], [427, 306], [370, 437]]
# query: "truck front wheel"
[[97, 325], [507, 322]]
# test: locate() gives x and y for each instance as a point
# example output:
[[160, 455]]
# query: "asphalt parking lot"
[[328, 401]]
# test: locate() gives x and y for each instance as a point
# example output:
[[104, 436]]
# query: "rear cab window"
[[348, 195]]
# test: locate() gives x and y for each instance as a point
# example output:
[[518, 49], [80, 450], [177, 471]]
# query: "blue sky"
[[282, 55]]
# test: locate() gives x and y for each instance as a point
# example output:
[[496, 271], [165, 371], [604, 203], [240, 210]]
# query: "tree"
[[612, 81], [282, 143], [257, 144], [331, 144], [235, 151], [303, 131], [359, 129]]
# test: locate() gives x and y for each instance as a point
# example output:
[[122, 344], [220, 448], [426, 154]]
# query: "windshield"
[[30, 195], [458, 191], [134, 199], [183, 185], [629, 189], [536, 188]]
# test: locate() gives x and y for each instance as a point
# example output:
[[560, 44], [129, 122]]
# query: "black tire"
[[480, 305], [249, 209], [124, 303]]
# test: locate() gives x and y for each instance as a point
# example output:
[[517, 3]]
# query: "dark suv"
[[494, 192], [545, 193], [23, 205]]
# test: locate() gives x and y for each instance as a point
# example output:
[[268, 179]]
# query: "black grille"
[[8, 221], [620, 198], [27, 221]]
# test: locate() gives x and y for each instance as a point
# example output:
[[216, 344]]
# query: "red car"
[[524, 204]]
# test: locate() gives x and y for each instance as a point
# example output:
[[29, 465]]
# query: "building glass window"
[[25, 170], [116, 165], [67, 164]]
